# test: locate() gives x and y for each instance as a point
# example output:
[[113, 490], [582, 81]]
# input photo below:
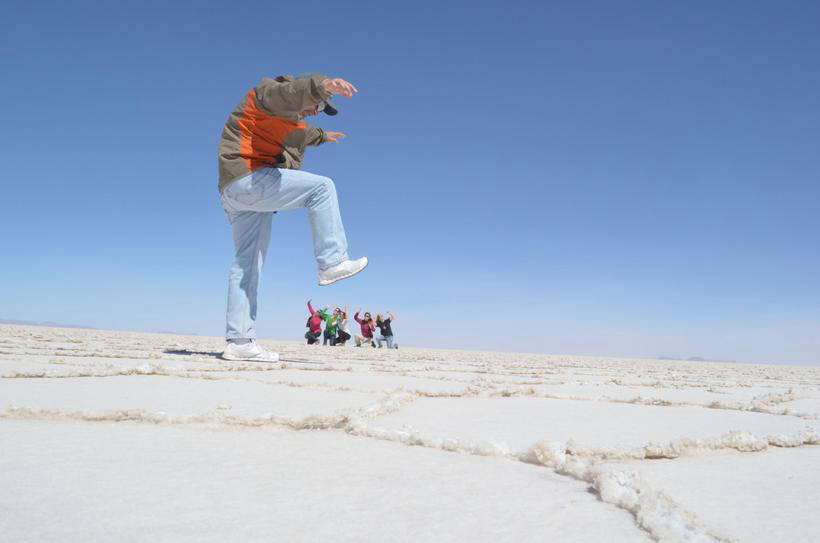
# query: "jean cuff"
[[239, 336], [343, 259]]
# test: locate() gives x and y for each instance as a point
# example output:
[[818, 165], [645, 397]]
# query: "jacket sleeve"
[[310, 308], [288, 98], [314, 136], [356, 317]]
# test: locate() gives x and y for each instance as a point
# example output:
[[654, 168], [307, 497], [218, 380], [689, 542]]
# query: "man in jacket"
[[260, 153]]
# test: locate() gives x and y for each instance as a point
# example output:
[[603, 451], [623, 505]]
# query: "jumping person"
[[315, 324], [260, 154], [367, 329], [385, 331]]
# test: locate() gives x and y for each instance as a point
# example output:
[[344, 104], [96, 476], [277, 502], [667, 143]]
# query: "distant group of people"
[[335, 330]]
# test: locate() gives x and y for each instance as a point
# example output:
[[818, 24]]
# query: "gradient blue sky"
[[631, 178]]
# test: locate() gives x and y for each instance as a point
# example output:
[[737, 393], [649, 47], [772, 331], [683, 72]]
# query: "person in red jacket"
[[368, 326], [315, 324]]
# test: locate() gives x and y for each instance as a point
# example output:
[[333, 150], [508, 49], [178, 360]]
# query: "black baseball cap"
[[327, 109], [324, 106]]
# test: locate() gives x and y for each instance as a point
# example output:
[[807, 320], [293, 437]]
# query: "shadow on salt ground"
[[189, 352], [218, 354]]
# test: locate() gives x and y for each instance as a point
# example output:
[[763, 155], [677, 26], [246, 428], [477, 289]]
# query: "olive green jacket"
[[266, 129]]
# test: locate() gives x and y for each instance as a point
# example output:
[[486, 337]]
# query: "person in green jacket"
[[331, 326]]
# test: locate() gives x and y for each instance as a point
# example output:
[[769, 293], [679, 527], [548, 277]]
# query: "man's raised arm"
[[287, 97]]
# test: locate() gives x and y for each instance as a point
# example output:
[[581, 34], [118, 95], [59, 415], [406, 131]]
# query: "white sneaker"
[[343, 270], [248, 351]]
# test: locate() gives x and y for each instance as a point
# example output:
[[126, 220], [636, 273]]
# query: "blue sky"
[[626, 179]]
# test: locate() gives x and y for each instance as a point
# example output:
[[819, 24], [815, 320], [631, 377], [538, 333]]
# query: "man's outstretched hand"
[[334, 137], [339, 86]]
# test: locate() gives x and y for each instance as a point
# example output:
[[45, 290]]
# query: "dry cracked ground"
[[150, 437]]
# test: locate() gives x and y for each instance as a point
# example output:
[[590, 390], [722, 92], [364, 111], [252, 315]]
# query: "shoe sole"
[[238, 359], [326, 283]]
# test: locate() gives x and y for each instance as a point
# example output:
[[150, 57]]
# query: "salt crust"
[[754, 497], [87, 375], [75, 481]]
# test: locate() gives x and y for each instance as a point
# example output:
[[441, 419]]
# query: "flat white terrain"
[[117, 436]]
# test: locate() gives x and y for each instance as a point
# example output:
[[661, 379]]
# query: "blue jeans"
[[249, 203], [381, 339], [329, 337]]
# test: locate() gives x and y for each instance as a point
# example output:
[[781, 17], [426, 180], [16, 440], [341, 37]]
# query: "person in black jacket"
[[385, 331], [342, 335]]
